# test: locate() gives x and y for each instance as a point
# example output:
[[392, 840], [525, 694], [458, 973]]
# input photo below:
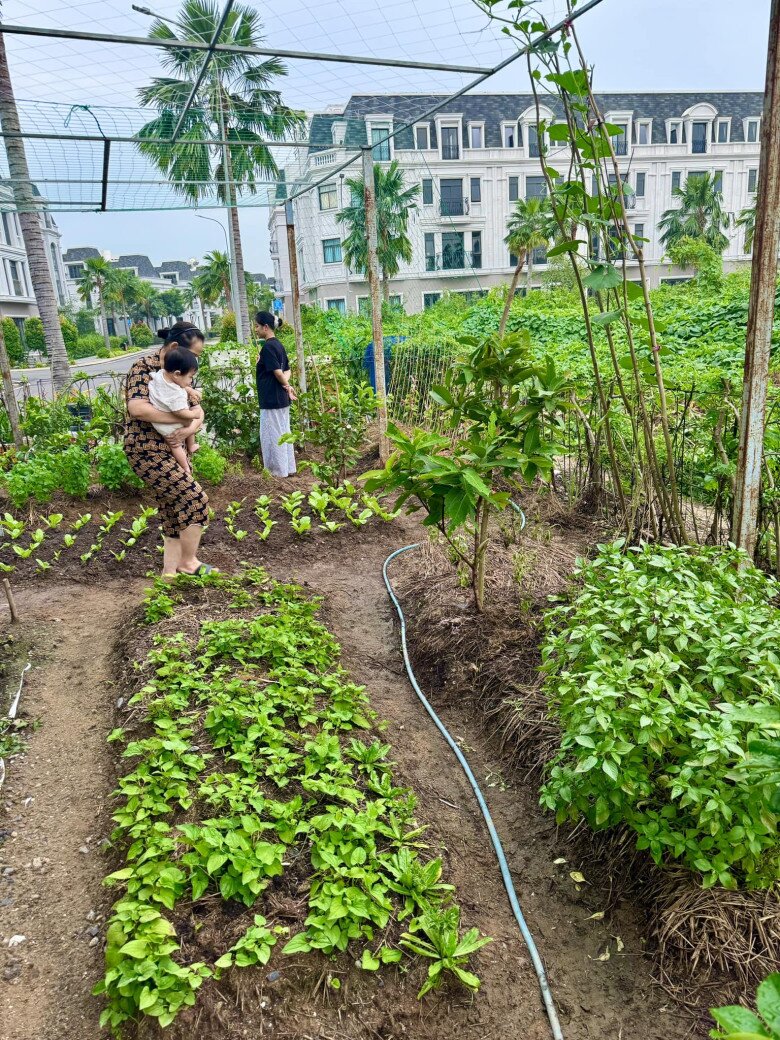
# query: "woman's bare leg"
[[171, 555], [189, 540]]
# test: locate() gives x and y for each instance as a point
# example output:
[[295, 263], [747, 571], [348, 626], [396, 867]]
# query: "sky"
[[637, 45]]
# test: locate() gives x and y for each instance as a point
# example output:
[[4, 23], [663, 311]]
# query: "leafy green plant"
[[436, 936], [209, 466], [659, 671], [254, 946], [138, 527], [113, 469], [738, 1023], [301, 524]]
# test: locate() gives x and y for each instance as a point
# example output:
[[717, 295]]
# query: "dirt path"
[[54, 809], [596, 998]]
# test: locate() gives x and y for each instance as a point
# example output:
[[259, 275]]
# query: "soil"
[[69, 771]]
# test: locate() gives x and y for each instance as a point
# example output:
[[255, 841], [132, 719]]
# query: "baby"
[[168, 393]]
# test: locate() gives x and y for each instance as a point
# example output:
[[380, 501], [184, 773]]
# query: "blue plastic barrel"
[[368, 360]]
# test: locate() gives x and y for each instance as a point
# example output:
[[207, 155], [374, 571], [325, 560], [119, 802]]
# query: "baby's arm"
[[187, 415]]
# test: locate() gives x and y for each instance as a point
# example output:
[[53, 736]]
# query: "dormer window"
[[674, 131], [450, 142], [699, 135], [533, 141], [620, 138], [644, 131], [509, 135], [422, 137], [380, 141], [752, 130], [476, 135], [722, 134]]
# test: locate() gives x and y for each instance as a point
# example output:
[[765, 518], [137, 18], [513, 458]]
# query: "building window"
[[476, 135], [535, 187], [430, 298], [56, 268], [509, 135], [452, 201], [514, 189], [396, 300], [751, 131], [331, 250], [452, 251], [676, 179], [427, 191], [476, 189], [422, 137], [430, 251], [644, 131], [675, 131], [723, 131], [639, 231], [752, 180], [450, 145], [641, 185], [381, 143], [476, 250], [718, 180], [364, 305], [339, 304], [533, 142], [328, 197], [16, 277], [7, 226], [75, 271], [539, 256], [620, 139], [699, 134]]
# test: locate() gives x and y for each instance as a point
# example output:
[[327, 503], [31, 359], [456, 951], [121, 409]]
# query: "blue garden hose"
[[505, 874]]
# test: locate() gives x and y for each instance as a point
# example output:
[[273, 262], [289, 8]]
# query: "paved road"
[[100, 372]]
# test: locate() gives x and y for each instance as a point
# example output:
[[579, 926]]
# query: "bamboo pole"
[[9, 393], [766, 242], [292, 254], [376, 302]]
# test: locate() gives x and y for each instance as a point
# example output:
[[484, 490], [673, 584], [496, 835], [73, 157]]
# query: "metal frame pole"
[[766, 242], [295, 294], [372, 267]]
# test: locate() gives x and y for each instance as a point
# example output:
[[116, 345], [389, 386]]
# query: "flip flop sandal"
[[204, 568]]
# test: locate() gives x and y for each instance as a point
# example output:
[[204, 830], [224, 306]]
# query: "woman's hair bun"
[[163, 333], [279, 322]]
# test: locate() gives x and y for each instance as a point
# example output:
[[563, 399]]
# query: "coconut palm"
[[699, 215], [29, 206], [194, 301], [94, 282], [147, 301], [394, 203], [747, 220], [259, 295], [233, 102], [213, 279], [122, 288], [530, 226]]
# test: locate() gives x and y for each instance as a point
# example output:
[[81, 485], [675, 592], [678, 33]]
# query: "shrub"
[[113, 469], [227, 328], [654, 671], [91, 345], [34, 477], [34, 335], [230, 399], [13, 341], [73, 471], [116, 342], [208, 465], [142, 334], [70, 333], [85, 322]]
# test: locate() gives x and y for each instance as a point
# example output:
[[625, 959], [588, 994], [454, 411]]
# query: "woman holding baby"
[[164, 414]]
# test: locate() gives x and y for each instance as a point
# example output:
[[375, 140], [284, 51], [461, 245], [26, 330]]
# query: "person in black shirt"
[[274, 394]]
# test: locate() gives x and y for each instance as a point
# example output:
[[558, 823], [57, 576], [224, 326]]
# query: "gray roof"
[[181, 267], [494, 109], [71, 256], [141, 263]]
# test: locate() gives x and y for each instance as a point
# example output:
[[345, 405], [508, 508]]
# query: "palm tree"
[[394, 203], [530, 226], [233, 102], [747, 220], [122, 288], [172, 302], [147, 300], [213, 279], [193, 299], [29, 208], [95, 280], [699, 215], [259, 295]]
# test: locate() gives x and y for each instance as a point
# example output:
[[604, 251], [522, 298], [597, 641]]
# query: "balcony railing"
[[324, 158], [450, 151], [273, 247], [455, 207], [453, 260]]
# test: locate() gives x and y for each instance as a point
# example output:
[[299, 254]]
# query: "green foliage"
[[738, 1023], [267, 784], [648, 670], [85, 321], [91, 345], [70, 334], [142, 334], [113, 469], [698, 215], [208, 465], [34, 335], [227, 328], [696, 253], [336, 415], [226, 376], [13, 341]]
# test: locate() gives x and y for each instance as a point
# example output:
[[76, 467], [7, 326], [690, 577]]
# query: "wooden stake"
[[766, 242], [11, 601], [9, 393], [292, 254], [376, 303]]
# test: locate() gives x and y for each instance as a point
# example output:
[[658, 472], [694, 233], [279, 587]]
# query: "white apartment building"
[[480, 154], [17, 300]]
